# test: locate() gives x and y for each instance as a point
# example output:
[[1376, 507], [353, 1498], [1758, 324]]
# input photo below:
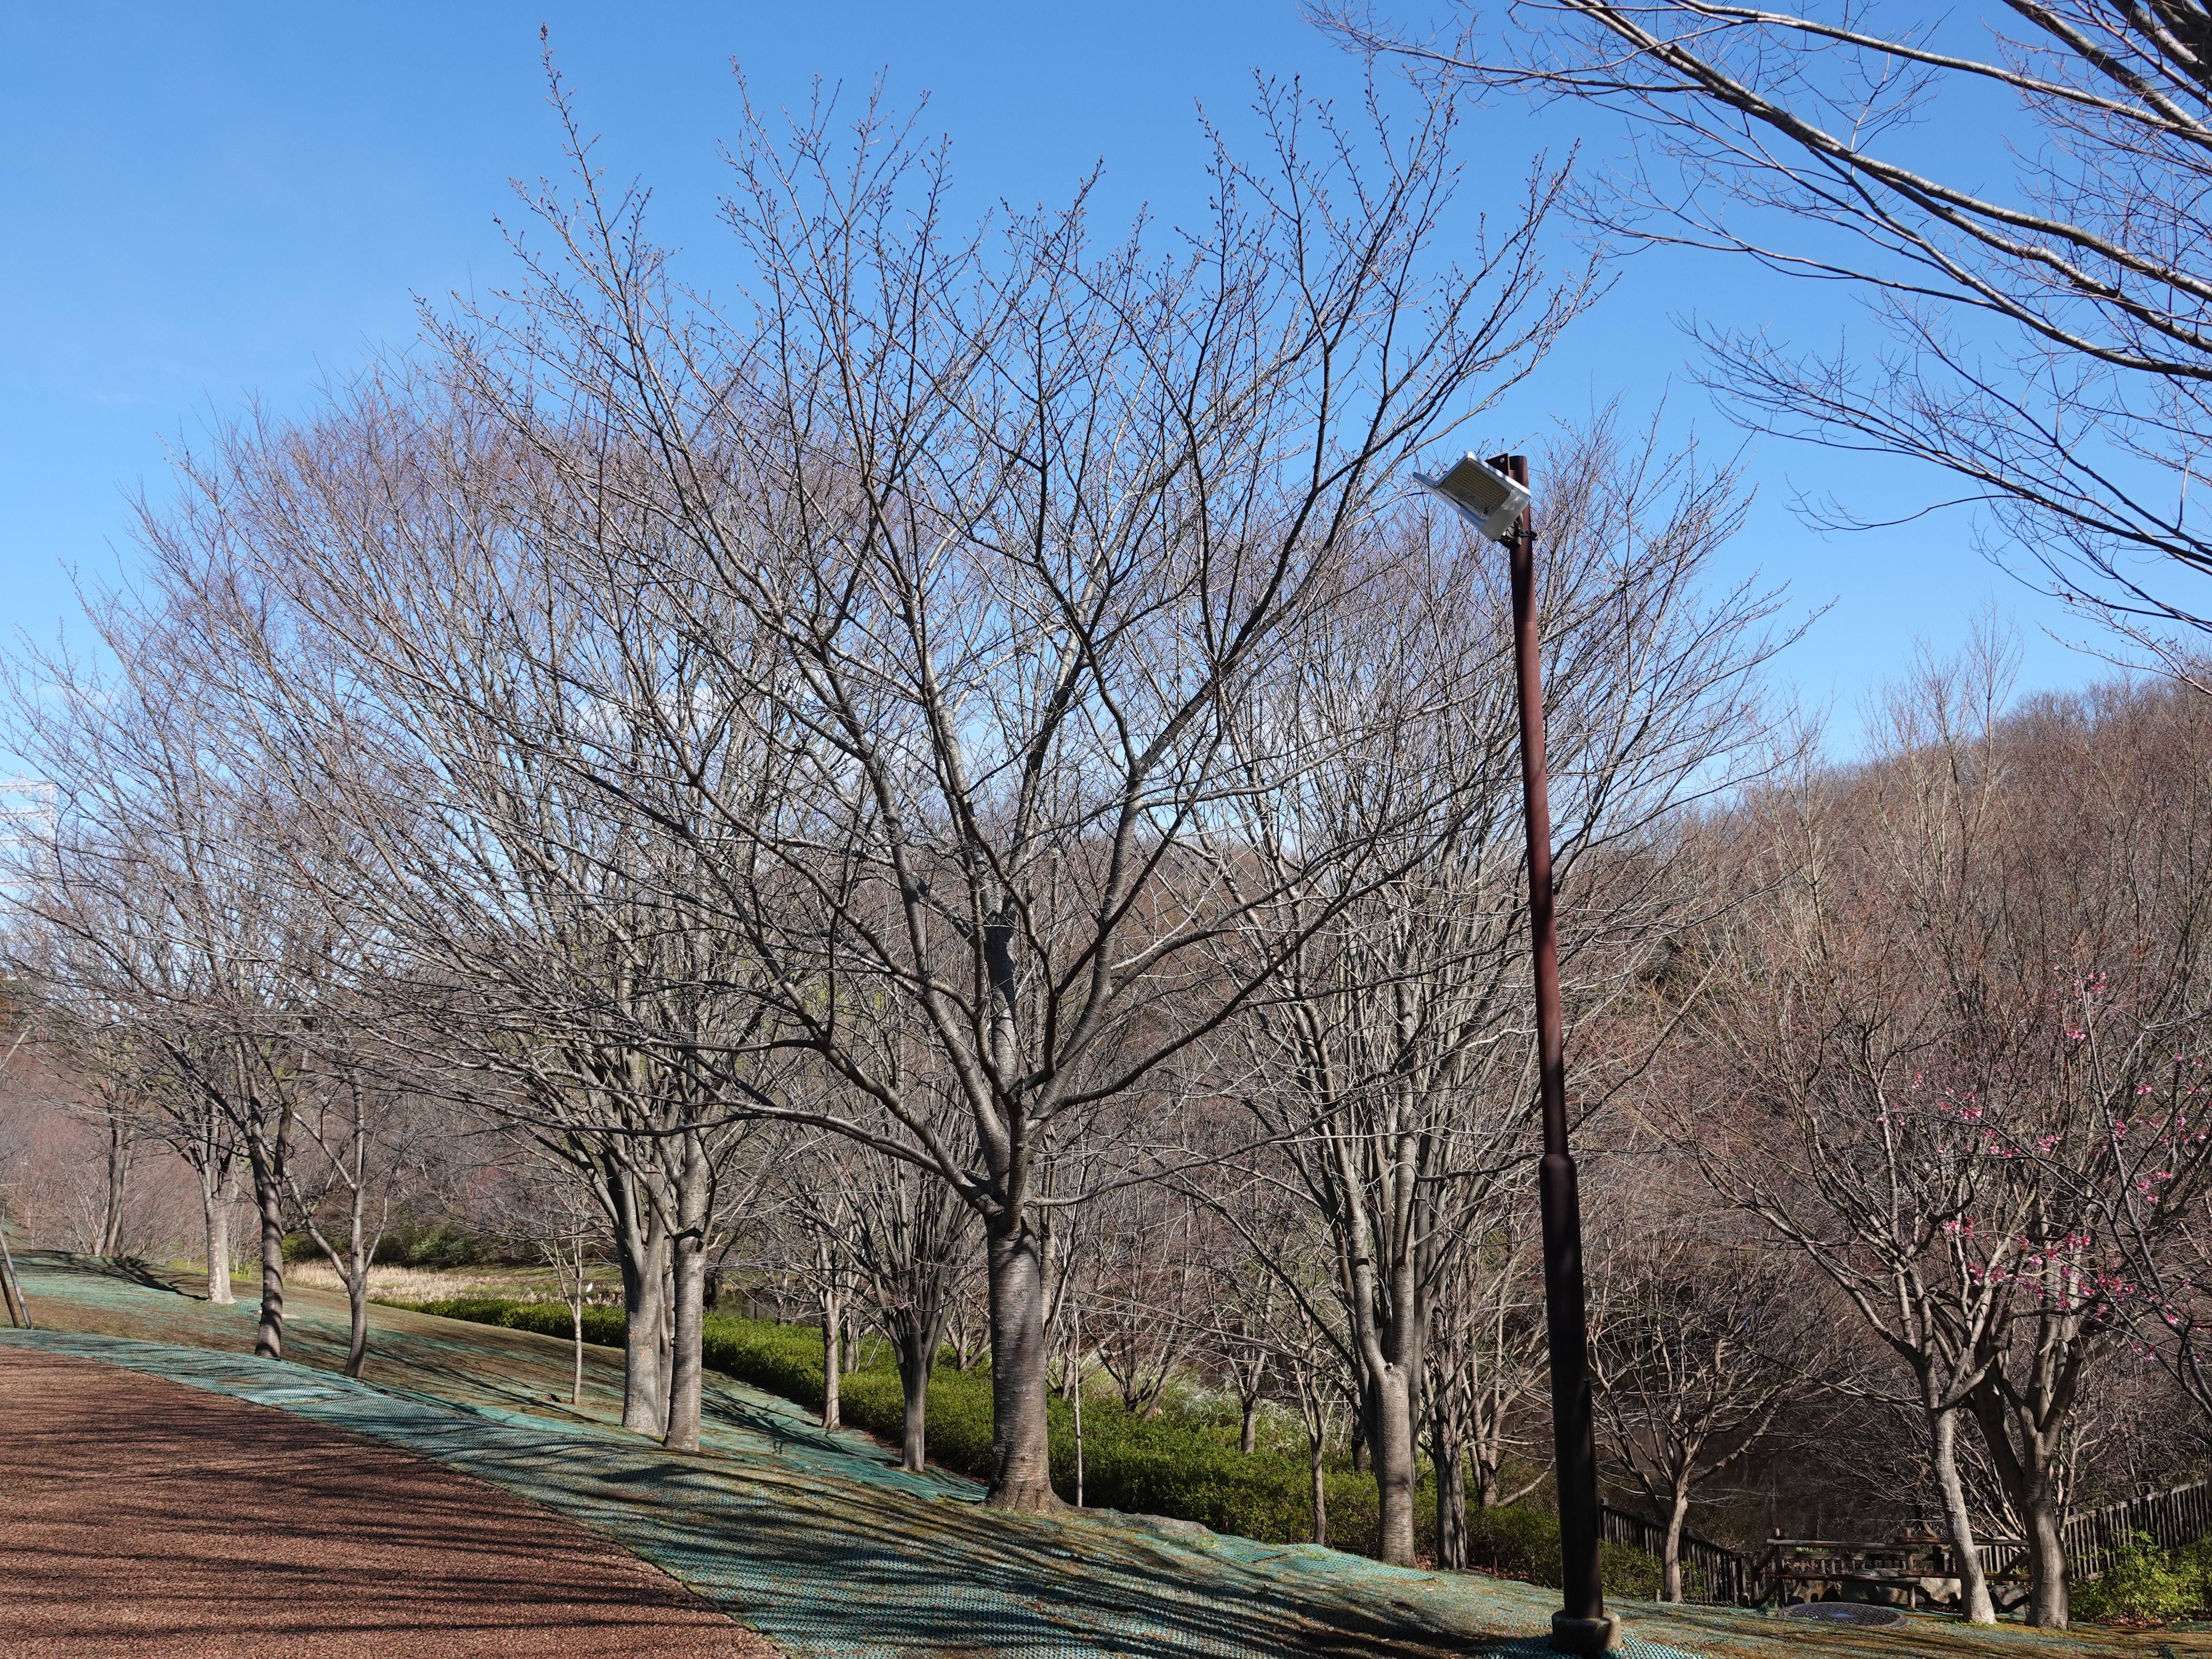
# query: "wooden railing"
[[1712, 1573], [2179, 1516], [1716, 1574]]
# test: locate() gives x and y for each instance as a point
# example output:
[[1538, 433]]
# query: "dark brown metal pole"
[[1581, 1625]]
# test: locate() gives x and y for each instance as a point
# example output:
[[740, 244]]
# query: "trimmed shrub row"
[[1175, 1463], [602, 1327]]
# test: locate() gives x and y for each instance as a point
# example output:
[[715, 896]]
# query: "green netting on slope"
[[824, 1571], [819, 1541], [485, 1369]]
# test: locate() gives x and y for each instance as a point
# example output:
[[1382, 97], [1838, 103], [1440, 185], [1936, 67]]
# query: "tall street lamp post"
[[1493, 496]]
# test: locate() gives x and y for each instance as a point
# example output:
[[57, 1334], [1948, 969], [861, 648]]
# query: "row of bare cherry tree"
[[961, 738]]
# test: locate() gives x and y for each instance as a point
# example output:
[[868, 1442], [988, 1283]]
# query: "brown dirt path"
[[140, 1517]]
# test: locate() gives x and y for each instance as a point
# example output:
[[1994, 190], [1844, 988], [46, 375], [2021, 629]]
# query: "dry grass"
[[427, 1284]]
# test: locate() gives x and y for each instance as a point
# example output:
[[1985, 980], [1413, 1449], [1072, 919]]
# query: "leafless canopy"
[[2049, 341]]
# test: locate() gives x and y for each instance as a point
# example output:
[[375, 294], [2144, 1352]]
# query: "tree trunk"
[[1391, 1445], [1317, 1451], [1021, 1453], [11, 1291], [358, 1251], [833, 1360], [118, 1172], [1247, 1437], [576, 1322], [643, 1243], [268, 1198], [357, 1321], [687, 1378], [2022, 1437], [1451, 1502], [687, 1369], [2048, 1601], [917, 1358], [215, 1205], [268, 1336], [1670, 1548], [663, 1353], [1943, 1462]]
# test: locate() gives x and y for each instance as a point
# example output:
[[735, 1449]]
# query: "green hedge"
[[1524, 1543], [1183, 1463], [602, 1327]]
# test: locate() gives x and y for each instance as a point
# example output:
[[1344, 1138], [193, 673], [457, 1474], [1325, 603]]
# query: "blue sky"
[[211, 204]]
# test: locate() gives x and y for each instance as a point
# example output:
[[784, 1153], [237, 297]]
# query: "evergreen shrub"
[[435, 1246], [2148, 1585]]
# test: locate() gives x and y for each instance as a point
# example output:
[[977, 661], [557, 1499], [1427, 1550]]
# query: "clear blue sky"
[[205, 204]]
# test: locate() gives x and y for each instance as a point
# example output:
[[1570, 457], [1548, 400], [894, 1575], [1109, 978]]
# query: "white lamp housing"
[[1486, 497]]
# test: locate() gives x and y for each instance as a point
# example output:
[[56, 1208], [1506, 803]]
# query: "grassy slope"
[[1178, 1463]]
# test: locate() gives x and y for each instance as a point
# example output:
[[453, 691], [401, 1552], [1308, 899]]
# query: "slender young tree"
[[1699, 1350], [1389, 1059], [1486, 1357], [358, 1133]]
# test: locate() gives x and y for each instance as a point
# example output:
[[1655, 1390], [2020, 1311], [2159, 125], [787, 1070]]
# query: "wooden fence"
[[1712, 1573], [2093, 1539], [1717, 1576], [2180, 1516]]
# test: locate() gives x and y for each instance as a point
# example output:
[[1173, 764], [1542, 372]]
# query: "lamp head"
[[1485, 496]]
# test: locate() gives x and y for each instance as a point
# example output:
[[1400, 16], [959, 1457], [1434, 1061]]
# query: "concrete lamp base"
[[1591, 1638]]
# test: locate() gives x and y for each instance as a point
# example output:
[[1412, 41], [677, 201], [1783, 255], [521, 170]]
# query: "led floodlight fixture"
[[1489, 501]]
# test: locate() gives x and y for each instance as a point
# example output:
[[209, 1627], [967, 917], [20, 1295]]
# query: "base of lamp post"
[[1591, 1638]]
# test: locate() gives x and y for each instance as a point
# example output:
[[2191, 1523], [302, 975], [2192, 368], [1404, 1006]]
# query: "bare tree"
[[1487, 1364], [2046, 331], [912, 1249], [1241, 1305], [361, 1129], [1142, 1316], [1702, 1343], [1244, 1362], [979, 543], [1946, 1069], [124, 1047], [162, 871], [556, 1214], [88, 1063], [890, 1244], [108, 1084], [411, 683], [1392, 1060]]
